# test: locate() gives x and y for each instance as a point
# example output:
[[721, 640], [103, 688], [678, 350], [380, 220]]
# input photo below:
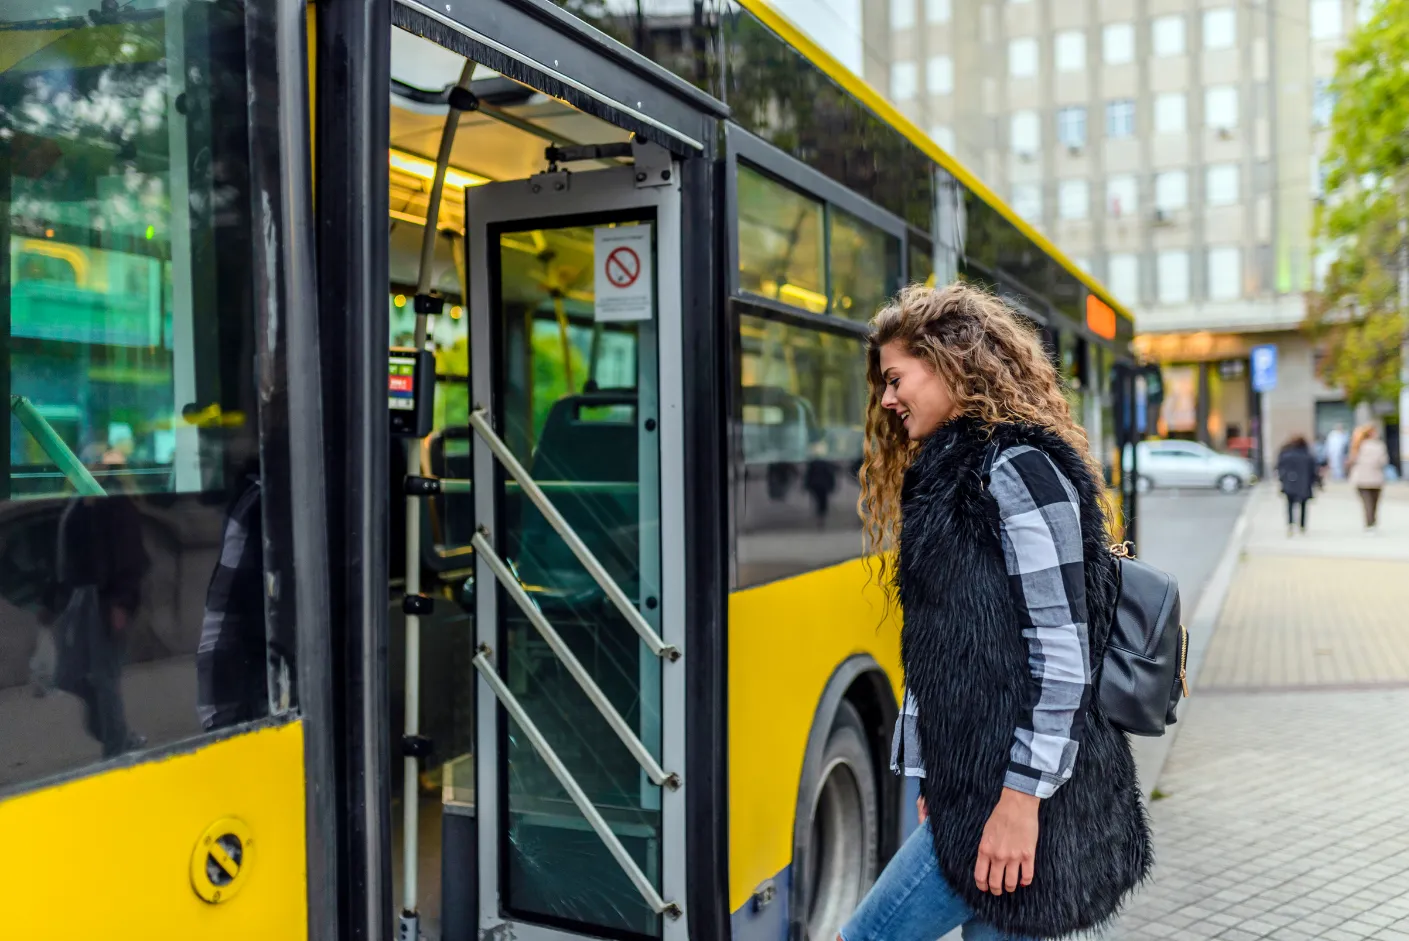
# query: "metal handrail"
[[633, 744], [479, 421], [60, 453], [574, 790]]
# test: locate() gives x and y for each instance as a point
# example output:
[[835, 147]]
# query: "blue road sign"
[[1264, 368]]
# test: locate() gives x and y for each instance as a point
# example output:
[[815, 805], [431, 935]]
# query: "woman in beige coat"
[[1368, 459]]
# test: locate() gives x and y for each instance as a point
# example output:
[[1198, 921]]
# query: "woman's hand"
[[1009, 844]]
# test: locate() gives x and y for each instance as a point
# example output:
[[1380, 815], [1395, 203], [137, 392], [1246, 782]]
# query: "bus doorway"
[[536, 649]]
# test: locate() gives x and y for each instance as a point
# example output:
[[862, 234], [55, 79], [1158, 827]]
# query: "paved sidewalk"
[[1282, 803]]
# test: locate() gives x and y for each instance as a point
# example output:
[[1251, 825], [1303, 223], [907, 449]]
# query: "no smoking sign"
[[622, 258], [623, 266]]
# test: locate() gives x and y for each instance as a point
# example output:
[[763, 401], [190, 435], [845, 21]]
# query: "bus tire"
[[843, 819]]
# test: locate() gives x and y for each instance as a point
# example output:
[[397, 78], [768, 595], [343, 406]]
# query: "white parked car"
[[1188, 464]]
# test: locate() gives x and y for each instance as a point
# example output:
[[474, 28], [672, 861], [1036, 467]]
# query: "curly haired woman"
[[979, 479]]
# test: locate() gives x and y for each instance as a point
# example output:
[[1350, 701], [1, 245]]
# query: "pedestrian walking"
[[1337, 443], [1368, 459], [1297, 470], [1033, 825]]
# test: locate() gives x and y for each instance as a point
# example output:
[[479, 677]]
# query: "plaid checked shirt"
[[1040, 522], [231, 678]]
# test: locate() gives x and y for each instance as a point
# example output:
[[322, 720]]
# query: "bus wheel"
[[845, 836]]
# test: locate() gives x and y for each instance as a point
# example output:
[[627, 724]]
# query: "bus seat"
[[586, 463], [590, 438]]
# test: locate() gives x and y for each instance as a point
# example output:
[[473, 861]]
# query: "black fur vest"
[[966, 665]]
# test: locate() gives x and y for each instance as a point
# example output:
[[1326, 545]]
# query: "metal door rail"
[[60, 453], [479, 421], [643, 757], [579, 797]]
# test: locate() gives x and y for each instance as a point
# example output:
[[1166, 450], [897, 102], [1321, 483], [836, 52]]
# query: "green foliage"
[[1356, 313]]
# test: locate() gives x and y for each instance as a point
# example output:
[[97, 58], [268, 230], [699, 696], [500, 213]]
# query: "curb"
[[1151, 753]]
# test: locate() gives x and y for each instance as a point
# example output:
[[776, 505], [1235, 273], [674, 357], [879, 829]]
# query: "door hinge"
[[654, 166], [558, 181]]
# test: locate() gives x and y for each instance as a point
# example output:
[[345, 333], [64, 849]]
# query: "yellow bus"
[[429, 499]]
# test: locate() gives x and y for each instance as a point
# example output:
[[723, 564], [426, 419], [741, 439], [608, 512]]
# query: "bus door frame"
[[548, 200], [541, 45]]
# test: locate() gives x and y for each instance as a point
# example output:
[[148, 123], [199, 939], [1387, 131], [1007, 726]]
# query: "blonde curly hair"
[[997, 371]]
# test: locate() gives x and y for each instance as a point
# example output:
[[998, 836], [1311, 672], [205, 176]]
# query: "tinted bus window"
[[132, 544], [921, 264], [864, 266], [801, 414], [780, 243]]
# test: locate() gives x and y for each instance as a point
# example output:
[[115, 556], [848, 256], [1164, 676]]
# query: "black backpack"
[[1142, 674]]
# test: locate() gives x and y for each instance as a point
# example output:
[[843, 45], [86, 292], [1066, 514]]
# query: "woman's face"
[[914, 392]]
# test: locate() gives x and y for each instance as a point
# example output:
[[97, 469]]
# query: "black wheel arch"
[[860, 682]]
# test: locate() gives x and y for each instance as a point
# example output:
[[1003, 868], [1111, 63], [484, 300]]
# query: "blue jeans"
[[911, 901]]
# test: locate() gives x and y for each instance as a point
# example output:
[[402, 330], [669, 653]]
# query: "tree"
[[1356, 312]]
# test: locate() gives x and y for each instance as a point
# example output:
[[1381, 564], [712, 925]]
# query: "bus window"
[[864, 264], [780, 243], [802, 402], [132, 550]]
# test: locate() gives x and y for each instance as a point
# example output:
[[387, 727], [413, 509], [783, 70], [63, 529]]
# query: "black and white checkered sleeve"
[[1040, 519]]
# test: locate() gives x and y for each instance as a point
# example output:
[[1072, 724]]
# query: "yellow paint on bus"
[[785, 640], [109, 855]]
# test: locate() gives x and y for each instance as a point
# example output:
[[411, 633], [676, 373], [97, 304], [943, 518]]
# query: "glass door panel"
[[577, 406]]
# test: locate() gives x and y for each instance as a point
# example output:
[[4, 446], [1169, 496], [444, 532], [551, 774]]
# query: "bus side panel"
[[786, 639], [109, 856]]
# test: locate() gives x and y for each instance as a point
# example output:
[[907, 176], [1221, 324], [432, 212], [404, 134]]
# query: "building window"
[[1171, 113], [1123, 277], [1323, 102], [1327, 19], [1073, 199], [939, 75], [1022, 57], [1167, 35], [1071, 50], [1172, 271], [1071, 126], [1221, 184], [943, 135], [1221, 107], [902, 81], [1026, 132], [938, 11], [1220, 28], [902, 14], [1120, 118], [1318, 177], [1122, 197], [1118, 43], [1225, 273], [1027, 201], [1171, 190]]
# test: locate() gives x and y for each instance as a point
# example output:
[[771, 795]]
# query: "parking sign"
[[1264, 368]]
